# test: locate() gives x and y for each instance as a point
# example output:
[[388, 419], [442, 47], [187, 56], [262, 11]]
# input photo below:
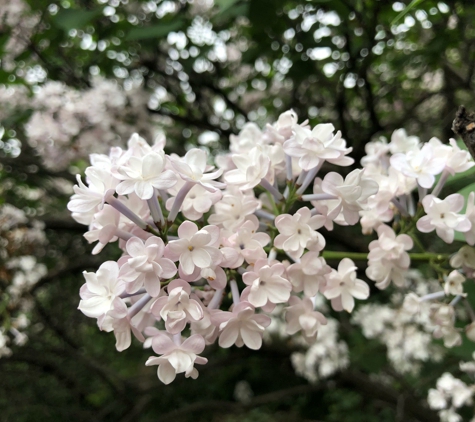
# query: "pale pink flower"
[[122, 328], [142, 174], [267, 284], [421, 164], [249, 136], [376, 153], [300, 316], [456, 160], [197, 201], [231, 211], [206, 327], [312, 147], [388, 259], [465, 257], [443, 317], [248, 242], [145, 265], [383, 271], [442, 216], [177, 308], [241, 326], [101, 293], [103, 228], [215, 276], [351, 194], [87, 200], [453, 284], [281, 131], [250, 169], [401, 143], [195, 248], [343, 286], [308, 274], [193, 168], [176, 359], [298, 232], [391, 247]]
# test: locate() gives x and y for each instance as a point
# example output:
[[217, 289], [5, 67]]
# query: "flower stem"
[[156, 211], [179, 201], [234, 291], [137, 306], [362, 256], [270, 188]]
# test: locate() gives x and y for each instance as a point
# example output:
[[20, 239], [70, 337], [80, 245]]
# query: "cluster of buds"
[[208, 253]]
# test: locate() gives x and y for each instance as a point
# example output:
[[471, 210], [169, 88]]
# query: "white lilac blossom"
[[250, 169], [308, 274], [404, 328], [101, 293], [194, 168], [175, 358], [142, 174], [423, 165], [465, 257], [241, 326], [387, 258], [324, 357], [177, 277], [312, 147], [231, 211], [177, 308], [247, 242], [298, 232], [145, 265], [450, 394], [402, 143], [87, 200], [194, 248], [453, 284], [442, 216], [301, 316], [343, 287], [267, 284], [443, 318], [66, 124], [346, 196], [198, 200]]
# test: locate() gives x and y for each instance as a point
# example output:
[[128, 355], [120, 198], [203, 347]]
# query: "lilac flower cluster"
[[209, 252]]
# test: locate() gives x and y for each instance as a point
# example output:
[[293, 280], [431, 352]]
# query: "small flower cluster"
[[66, 123], [206, 250], [452, 393], [405, 330], [19, 271]]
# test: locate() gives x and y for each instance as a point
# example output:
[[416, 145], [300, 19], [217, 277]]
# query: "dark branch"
[[464, 126]]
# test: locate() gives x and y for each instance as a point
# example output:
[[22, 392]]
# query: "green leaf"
[[154, 31], [68, 19], [230, 13], [406, 10], [225, 4]]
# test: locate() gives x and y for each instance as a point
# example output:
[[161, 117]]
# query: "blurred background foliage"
[[207, 68]]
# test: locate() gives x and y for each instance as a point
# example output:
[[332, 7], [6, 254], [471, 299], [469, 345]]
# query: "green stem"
[[361, 256], [274, 206], [416, 240]]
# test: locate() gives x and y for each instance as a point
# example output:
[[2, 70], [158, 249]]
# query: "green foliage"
[[156, 31], [68, 19], [412, 77]]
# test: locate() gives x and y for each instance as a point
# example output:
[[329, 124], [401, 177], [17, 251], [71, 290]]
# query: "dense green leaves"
[[68, 19], [156, 31]]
